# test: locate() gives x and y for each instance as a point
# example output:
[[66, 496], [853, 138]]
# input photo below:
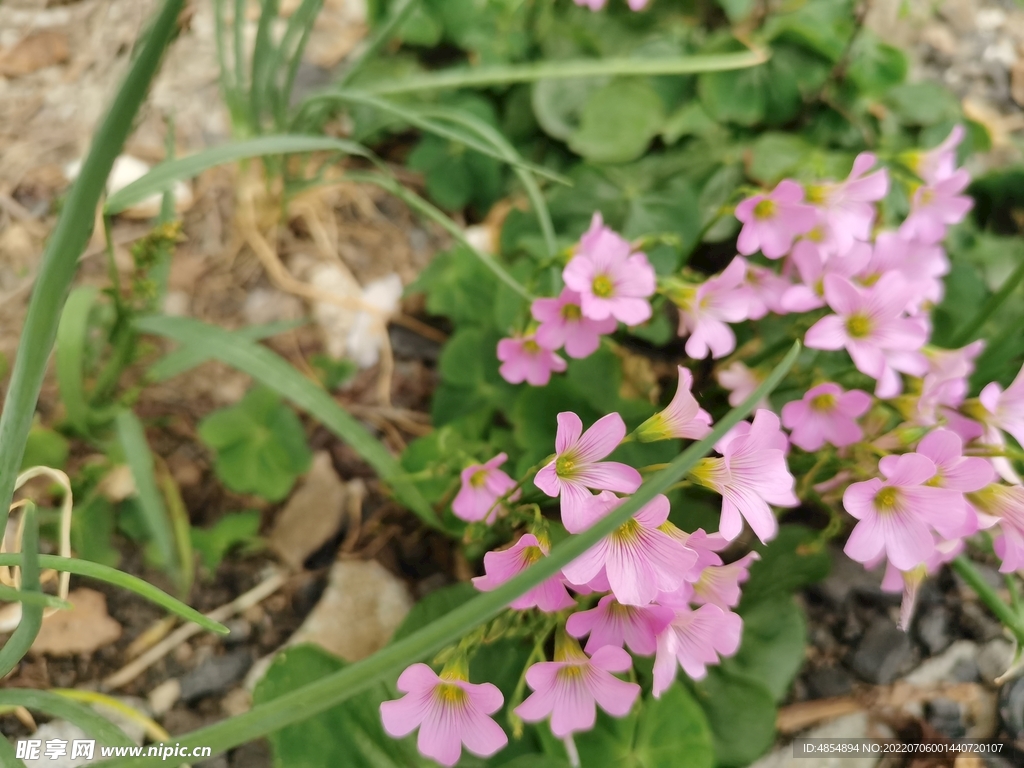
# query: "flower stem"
[[1010, 618]]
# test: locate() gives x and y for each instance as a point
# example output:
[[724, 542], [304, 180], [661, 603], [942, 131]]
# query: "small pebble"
[[882, 654], [215, 675]]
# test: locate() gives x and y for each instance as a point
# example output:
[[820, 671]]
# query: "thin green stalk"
[[380, 38], [313, 698], [420, 205], [480, 77], [60, 260], [55, 705], [968, 332], [27, 597], [1010, 618], [119, 579], [31, 613]]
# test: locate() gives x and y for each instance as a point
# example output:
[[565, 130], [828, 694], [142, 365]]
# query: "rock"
[[64, 731], [1011, 707], [164, 696], [312, 515], [35, 51], [237, 702], [128, 169], [1017, 83], [940, 38], [994, 659], [940, 669], [829, 682], [215, 675], [965, 671], [947, 717], [220, 761], [79, 631], [882, 653], [239, 631], [853, 726], [847, 578], [409, 345], [978, 624], [358, 612], [932, 629]]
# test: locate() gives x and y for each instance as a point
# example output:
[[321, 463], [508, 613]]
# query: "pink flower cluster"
[[606, 283], [663, 591], [597, 5]]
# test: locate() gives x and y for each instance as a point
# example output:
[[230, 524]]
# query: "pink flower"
[[945, 384], [549, 596], [695, 639], [1006, 504], [594, 5], [826, 414], [869, 322], [1006, 406], [812, 270], [449, 712], [938, 163], [952, 469], [922, 266], [705, 310], [682, 418], [751, 474], [562, 323], [482, 486], [637, 5], [638, 559], [847, 207], [934, 207], [611, 280], [897, 515], [740, 382], [767, 288], [612, 623], [577, 466], [720, 584], [570, 688], [523, 359], [771, 222]]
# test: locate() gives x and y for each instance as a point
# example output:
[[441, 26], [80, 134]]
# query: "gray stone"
[[947, 717], [994, 659], [883, 653], [215, 675], [829, 682], [932, 629], [847, 579], [255, 754], [239, 631], [978, 624], [939, 669]]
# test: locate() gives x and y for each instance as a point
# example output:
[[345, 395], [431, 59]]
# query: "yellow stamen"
[[823, 403], [602, 286], [765, 209], [858, 326]]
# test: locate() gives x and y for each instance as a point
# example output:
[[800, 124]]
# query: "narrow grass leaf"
[[132, 438], [187, 167], [120, 579], [70, 356], [24, 634], [55, 705], [28, 597], [67, 241], [274, 372], [315, 697]]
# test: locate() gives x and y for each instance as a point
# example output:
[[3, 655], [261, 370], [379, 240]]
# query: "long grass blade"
[[55, 705], [481, 77], [120, 579], [24, 634], [186, 167], [8, 757], [270, 369], [12, 595], [70, 356], [132, 438], [315, 697], [66, 243]]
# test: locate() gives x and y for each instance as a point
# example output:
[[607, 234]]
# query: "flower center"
[[573, 311], [927, 196], [571, 672], [531, 555], [858, 326], [628, 532], [886, 499], [530, 346], [564, 465], [602, 286], [823, 403], [478, 478], [816, 235], [817, 194], [451, 694], [765, 209]]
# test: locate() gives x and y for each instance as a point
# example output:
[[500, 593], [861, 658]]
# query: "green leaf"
[[70, 358], [922, 103], [559, 104], [92, 532], [57, 706], [875, 67], [457, 286], [732, 701], [794, 559], [260, 443], [656, 734], [736, 10], [350, 734], [271, 370], [777, 155], [432, 607], [688, 120], [45, 448], [734, 97], [618, 122], [233, 530], [772, 650], [462, 361], [823, 26], [671, 210], [171, 171]]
